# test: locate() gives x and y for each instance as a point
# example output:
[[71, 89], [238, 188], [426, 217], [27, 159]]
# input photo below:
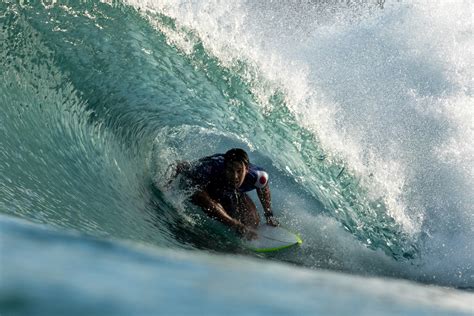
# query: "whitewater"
[[361, 112]]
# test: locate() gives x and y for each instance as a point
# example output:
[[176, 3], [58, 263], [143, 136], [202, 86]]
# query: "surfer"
[[221, 183]]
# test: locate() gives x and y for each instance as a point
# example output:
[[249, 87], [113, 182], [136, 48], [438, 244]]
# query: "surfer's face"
[[235, 173]]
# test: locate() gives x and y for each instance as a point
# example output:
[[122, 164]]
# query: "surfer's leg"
[[239, 206], [247, 211]]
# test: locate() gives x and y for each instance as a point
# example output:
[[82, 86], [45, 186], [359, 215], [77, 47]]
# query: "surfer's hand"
[[250, 233], [247, 232], [272, 221]]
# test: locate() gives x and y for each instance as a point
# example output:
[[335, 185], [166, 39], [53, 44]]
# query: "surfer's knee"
[[248, 211], [249, 204]]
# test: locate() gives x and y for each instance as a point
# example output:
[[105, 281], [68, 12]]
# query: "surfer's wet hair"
[[236, 154]]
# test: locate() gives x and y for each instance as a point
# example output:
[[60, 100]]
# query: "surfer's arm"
[[182, 166], [265, 198], [176, 169], [215, 210]]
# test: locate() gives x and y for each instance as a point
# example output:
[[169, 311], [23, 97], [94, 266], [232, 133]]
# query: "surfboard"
[[271, 239]]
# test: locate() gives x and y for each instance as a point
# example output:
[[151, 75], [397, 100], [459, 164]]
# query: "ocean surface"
[[361, 112]]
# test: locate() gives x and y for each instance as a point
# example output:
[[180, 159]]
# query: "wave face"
[[74, 275], [361, 113]]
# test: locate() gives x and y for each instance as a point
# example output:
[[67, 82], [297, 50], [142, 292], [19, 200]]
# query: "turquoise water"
[[363, 121]]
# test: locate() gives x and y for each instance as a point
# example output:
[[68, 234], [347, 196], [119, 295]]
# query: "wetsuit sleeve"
[[257, 178], [261, 179]]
